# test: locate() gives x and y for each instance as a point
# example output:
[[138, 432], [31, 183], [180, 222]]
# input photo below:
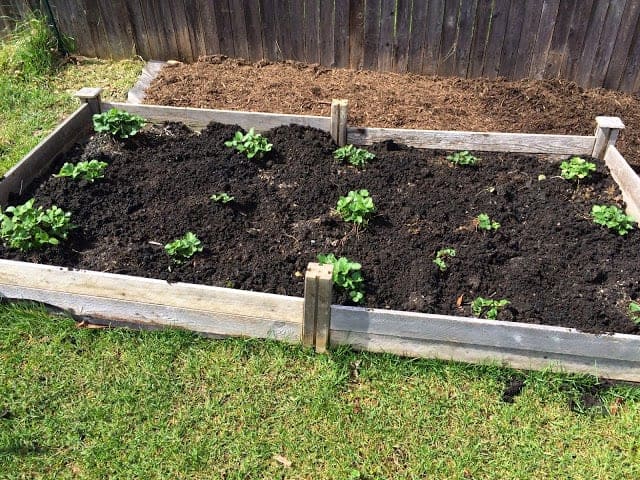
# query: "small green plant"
[[356, 207], [485, 223], [222, 197], [346, 275], [634, 312], [357, 157], [442, 255], [613, 218], [463, 158], [252, 144], [576, 167], [487, 307], [89, 171], [118, 123], [25, 227], [183, 248]]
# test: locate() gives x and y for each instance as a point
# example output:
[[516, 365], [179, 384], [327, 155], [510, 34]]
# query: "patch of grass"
[[123, 404], [36, 93]]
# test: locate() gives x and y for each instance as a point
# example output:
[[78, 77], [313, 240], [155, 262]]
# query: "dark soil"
[[553, 264], [382, 99]]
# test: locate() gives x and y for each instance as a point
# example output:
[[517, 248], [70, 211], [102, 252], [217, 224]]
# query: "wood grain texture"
[[464, 36], [495, 40], [311, 31], [200, 117], [607, 42], [203, 298], [543, 38], [489, 142], [481, 30], [621, 48], [402, 35], [341, 33], [627, 180], [43, 154], [448, 39], [431, 54], [591, 41], [417, 39], [477, 340], [356, 34], [386, 42]]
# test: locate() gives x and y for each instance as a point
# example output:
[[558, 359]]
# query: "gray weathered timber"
[[149, 73], [489, 141], [627, 180], [477, 340], [200, 117], [37, 160]]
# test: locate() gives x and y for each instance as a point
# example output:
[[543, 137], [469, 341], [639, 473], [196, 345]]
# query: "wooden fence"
[[592, 42]]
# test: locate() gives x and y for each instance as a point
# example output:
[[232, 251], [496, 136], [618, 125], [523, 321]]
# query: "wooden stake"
[[607, 131], [317, 306], [91, 96], [339, 113]]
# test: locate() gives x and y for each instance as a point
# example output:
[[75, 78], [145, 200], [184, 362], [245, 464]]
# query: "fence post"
[[91, 96], [318, 287], [339, 113], [607, 131]]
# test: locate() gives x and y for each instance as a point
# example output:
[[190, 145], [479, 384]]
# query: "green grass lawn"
[[83, 403]]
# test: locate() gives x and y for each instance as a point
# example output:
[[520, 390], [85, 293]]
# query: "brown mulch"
[[399, 100]]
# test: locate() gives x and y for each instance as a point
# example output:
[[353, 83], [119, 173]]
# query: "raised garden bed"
[[548, 258]]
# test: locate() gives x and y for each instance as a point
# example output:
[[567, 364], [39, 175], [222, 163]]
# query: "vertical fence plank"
[[224, 28], [140, 30], [371, 33], [157, 41], [431, 56], [621, 52], [481, 30], [630, 80], [238, 28], [530, 24], [402, 35], [296, 17], [499, 18], [356, 34], [311, 30], [386, 40], [253, 28], [325, 41], [269, 47], [418, 36], [592, 38], [607, 42], [446, 63], [575, 41], [341, 33], [543, 39], [197, 37], [556, 54], [283, 30], [464, 36], [182, 30], [71, 18], [511, 42]]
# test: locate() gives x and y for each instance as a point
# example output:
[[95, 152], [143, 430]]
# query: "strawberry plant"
[[184, 248], [634, 312], [346, 275], [89, 171], [25, 227], [222, 197], [463, 158], [252, 144], [613, 218], [483, 222], [442, 255], [487, 307], [576, 167], [118, 123], [357, 157], [356, 207]]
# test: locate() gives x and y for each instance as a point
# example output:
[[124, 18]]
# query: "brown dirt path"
[[399, 100]]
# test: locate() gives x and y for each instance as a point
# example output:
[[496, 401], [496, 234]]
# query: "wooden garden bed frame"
[[106, 298]]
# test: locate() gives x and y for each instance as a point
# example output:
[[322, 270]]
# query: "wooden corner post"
[[339, 113], [91, 96], [318, 286], [607, 131]]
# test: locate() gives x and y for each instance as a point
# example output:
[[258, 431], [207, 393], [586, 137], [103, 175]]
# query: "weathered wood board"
[[477, 340]]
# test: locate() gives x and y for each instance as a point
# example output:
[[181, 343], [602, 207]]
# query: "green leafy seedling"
[[463, 158], [346, 275], [576, 167], [356, 207], [442, 255], [485, 223], [357, 157], [634, 312], [118, 123], [89, 171], [252, 144], [25, 227], [613, 218], [487, 307], [184, 248], [222, 197]]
